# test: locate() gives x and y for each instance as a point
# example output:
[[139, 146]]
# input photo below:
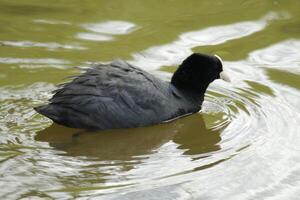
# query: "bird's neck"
[[194, 94]]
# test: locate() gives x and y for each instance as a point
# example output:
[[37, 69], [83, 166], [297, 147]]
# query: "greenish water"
[[243, 145]]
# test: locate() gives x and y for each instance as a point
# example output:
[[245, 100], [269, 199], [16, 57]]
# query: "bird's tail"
[[48, 111]]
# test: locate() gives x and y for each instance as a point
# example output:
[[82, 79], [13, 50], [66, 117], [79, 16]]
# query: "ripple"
[[33, 61], [50, 46], [94, 37], [104, 31], [173, 53], [284, 55], [111, 27], [55, 22]]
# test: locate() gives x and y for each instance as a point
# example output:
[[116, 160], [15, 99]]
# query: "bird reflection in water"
[[190, 133]]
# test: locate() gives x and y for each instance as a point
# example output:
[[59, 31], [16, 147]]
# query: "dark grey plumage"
[[119, 95]]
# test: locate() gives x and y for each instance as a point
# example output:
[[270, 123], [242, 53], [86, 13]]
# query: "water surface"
[[244, 144]]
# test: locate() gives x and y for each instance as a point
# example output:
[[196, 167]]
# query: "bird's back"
[[115, 95]]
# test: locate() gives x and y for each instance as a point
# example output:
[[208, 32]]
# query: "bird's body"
[[119, 95]]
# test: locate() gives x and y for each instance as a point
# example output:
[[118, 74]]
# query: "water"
[[244, 144]]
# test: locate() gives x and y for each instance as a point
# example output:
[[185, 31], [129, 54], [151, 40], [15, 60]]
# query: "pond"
[[244, 144]]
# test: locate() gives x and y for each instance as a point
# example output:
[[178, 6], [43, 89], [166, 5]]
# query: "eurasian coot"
[[119, 95]]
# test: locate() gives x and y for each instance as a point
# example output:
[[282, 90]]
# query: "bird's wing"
[[115, 95]]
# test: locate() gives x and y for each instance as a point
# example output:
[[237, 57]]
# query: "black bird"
[[119, 95]]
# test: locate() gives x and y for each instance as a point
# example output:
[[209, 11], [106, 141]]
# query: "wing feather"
[[115, 95]]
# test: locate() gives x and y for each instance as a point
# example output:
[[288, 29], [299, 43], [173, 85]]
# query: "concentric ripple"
[[238, 125]]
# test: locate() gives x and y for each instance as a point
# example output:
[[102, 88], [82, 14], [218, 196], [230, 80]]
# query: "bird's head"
[[197, 71]]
